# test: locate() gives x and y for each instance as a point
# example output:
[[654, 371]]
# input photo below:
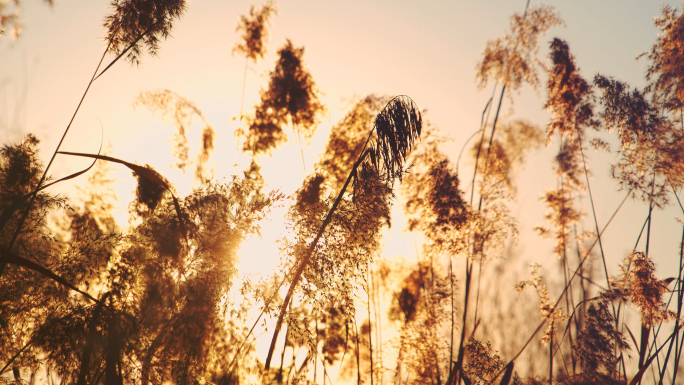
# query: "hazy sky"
[[425, 49]]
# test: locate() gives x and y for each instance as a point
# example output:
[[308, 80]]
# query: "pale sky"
[[425, 49]]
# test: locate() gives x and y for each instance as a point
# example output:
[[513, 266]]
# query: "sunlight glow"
[[454, 300]]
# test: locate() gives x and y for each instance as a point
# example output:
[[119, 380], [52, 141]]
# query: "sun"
[[259, 254]]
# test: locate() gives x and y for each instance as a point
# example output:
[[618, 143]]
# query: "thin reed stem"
[[680, 295], [483, 123], [378, 320], [282, 353], [593, 212], [477, 292], [674, 341], [453, 324], [242, 102], [491, 140], [358, 356], [309, 252], [370, 335], [461, 345], [17, 354], [645, 330], [596, 226], [52, 159], [678, 357], [66, 131], [551, 354]]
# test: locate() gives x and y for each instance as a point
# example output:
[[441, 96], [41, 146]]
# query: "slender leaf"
[[143, 172], [10, 210], [14, 259], [508, 374], [636, 345]]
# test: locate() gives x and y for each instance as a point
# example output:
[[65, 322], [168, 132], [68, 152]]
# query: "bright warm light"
[[427, 50], [260, 255]]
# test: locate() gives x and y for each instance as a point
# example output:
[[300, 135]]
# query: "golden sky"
[[425, 49]]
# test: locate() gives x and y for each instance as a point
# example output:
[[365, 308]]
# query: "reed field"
[[359, 243]]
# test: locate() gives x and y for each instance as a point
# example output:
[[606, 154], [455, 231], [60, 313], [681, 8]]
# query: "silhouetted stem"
[[582, 302], [344, 353], [593, 211], [325, 370], [461, 345], [645, 331], [242, 103], [316, 359], [650, 214], [677, 358], [282, 354], [301, 147], [483, 123], [378, 318], [7, 258], [477, 292], [491, 139], [370, 335], [244, 86], [358, 356], [563, 225], [596, 226], [52, 159], [469, 267], [453, 324], [309, 252], [551, 353], [54, 154], [680, 294], [679, 311], [639, 375], [17, 354]]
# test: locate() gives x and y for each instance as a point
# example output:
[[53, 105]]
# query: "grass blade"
[[7, 257], [9, 211], [507, 374], [144, 172], [636, 345]]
